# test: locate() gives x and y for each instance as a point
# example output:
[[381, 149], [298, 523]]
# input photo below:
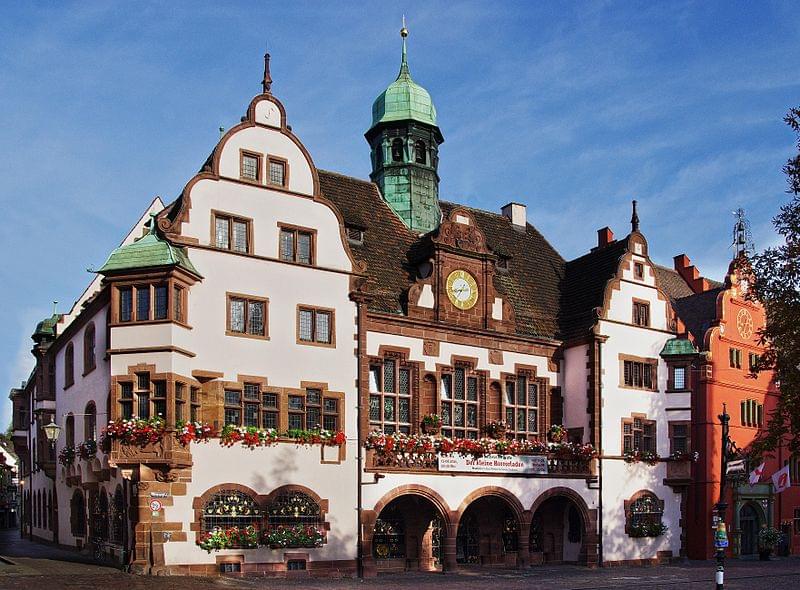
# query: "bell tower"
[[404, 146]]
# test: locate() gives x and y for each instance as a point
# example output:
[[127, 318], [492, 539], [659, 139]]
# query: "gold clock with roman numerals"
[[462, 289]]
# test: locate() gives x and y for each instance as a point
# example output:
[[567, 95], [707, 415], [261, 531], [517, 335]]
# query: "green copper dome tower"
[[404, 141]]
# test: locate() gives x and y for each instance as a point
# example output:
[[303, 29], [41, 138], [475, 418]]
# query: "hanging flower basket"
[[87, 449], [66, 456]]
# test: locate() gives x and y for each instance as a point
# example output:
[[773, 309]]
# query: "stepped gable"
[[584, 286], [391, 252]]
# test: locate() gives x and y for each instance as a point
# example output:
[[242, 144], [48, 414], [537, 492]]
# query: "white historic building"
[[290, 369]]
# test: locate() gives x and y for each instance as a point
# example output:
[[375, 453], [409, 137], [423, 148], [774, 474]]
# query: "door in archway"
[[557, 532], [749, 524], [408, 536]]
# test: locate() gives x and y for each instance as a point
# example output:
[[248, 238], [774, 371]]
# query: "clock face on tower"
[[462, 289], [744, 322]]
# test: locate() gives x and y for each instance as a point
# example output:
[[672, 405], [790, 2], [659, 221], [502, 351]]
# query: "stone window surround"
[[170, 379], [150, 280], [636, 359], [283, 393], [262, 500], [259, 166], [229, 295], [529, 372], [629, 503], [231, 217], [645, 420], [298, 229], [670, 425], [331, 326]]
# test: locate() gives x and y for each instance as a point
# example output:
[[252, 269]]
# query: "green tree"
[[775, 282]]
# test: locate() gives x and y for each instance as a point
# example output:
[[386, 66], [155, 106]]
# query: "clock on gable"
[[744, 322], [462, 289]]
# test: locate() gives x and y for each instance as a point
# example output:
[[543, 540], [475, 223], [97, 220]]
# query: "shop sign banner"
[[523, 464]]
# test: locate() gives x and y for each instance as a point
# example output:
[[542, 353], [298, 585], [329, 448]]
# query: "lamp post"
[[51, 431], [720, 536]]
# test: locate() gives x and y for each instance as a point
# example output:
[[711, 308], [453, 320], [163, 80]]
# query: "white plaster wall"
[[267, 141], [92, 387], [264, 470], [267, 208], [620, 480], [574, 390]]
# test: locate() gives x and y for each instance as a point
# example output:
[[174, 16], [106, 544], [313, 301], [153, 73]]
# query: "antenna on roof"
[[742, 236], [634, 218]]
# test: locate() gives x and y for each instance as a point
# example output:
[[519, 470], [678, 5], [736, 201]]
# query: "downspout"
[[600, 449], [359, 452]]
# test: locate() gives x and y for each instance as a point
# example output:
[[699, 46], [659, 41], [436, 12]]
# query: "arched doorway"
[[409, 535], [488, 533], [558, 532], [749, 525]]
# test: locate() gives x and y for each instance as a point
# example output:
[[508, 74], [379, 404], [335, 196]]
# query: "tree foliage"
[[775, 282]]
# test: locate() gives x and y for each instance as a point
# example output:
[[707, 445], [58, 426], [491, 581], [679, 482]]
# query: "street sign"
[[155, 505], [736, 467]]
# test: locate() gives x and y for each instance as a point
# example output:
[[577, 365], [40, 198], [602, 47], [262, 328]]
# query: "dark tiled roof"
[[390, 250], [584, 287], [672, 283], [535, 271], [698, 312], [387, 242]]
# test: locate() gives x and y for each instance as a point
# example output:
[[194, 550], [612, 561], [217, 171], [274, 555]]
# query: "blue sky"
[[571, 108]]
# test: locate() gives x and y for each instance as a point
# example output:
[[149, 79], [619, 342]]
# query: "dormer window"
[[250, 166], [397, 150], [421, 153], [355, 235], [502, 262]]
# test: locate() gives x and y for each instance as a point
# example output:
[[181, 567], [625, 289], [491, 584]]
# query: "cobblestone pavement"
[[32, 566]]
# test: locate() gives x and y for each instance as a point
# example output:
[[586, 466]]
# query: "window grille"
[[230, 508], [293, 508]]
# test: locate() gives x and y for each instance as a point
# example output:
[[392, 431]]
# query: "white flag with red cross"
[[755, 475], [780, 479]]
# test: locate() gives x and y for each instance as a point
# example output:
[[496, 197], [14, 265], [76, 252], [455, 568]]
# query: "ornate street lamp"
[[51, 431], [720, 536]]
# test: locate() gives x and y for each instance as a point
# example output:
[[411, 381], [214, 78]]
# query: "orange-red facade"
[[722, 376]]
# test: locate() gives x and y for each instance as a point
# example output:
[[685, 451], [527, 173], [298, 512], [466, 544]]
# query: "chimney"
[[604, 237], [516, 213], [690, 274]]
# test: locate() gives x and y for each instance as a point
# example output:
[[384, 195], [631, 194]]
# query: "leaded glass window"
[[247, 316], [521, 407], [296, 245], [161, 304], [125, 304], [315, 325], [293, 508], [142, 303], [459, 404], [231, 233], [250, 166], [277, 173], [644, 514], [390, 398], [230, 508]]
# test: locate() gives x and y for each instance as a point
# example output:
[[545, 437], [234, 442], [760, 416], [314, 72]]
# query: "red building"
[[723, 326]]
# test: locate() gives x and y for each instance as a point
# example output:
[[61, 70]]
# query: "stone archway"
[[409, 529], [491, 529], [563, 529]]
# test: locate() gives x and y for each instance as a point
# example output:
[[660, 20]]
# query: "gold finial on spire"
[[403, 62]]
